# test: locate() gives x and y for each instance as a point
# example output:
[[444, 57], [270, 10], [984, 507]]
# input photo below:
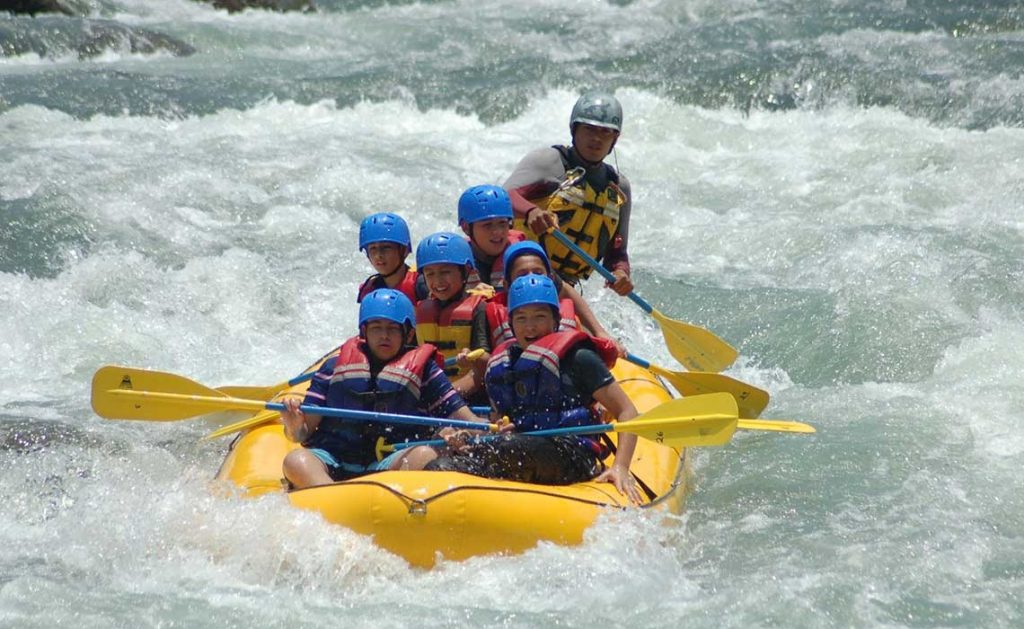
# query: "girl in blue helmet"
[[380, 370], [547, 378], [384, 237], [451, 318]]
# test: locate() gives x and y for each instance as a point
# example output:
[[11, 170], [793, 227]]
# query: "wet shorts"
[[339, 470]]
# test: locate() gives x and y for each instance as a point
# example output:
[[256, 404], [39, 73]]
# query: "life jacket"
[[407, 286], [531, 392], [449, 329], [501, 327], [588, 217], [396, 389], [497, 276]]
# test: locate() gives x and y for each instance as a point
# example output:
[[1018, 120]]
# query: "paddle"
[[696, 348], [268, 392], [702, 420], [750, 399], [264, 393], [127, 393], [267, 416]]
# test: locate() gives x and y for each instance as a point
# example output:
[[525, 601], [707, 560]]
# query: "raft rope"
[[419, 506]]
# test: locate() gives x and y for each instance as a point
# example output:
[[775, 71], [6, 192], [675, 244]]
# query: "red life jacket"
[[407, 286], [497, 278], [396, 389], [531, 392], [501, 328]]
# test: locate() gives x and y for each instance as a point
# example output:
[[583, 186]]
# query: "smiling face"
[[532, 322], [386, 257], [444, 280], [384, 338], [593, 143], [490, 236]]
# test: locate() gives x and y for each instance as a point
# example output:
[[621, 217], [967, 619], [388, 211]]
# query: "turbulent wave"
[[947, 63], [831, 189]]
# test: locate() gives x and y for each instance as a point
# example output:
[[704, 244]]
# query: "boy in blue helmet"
[[385, 239], [528, 257], [380, 370], [451, 318], [546, 378], [485, 215]]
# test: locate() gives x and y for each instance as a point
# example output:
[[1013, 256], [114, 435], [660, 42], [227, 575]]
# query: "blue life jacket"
[[530, 391], [396, 389]]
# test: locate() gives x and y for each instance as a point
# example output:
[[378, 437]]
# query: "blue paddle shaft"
[[597, 266], [300, 379], [592, 429], [636, 360], [381, 417]]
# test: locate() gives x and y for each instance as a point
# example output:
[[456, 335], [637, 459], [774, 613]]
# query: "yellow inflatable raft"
[[424, 516]]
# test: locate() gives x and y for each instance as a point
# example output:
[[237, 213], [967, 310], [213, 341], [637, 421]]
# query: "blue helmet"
[[525, 248], [481, 203], [443, 248], [387, 303], [530, 290], [384, 227]]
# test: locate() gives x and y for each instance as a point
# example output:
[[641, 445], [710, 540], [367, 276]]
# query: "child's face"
[[384, 338], [532, 322], [444, 280], [385, 257], [527, 265], [491, 236]]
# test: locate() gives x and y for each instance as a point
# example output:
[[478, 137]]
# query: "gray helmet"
[[597, 108]]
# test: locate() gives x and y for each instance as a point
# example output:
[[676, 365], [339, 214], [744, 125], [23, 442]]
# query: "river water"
[[834, 187]]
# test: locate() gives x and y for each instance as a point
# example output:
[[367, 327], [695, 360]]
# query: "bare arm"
[[587, 318], [618, 403]]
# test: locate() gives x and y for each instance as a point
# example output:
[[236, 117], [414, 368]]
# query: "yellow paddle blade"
[[694, 347], [750, 399], [128, 393], [161, 406], [256, 420], [779, 425], [703, 420], [109, 380], [253, 393]]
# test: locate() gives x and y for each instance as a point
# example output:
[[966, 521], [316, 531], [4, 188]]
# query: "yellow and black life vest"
[[588, 217]]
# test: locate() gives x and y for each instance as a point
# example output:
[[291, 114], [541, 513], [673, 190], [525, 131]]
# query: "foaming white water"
[[979, 381], [864, 263], [861, 210]]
